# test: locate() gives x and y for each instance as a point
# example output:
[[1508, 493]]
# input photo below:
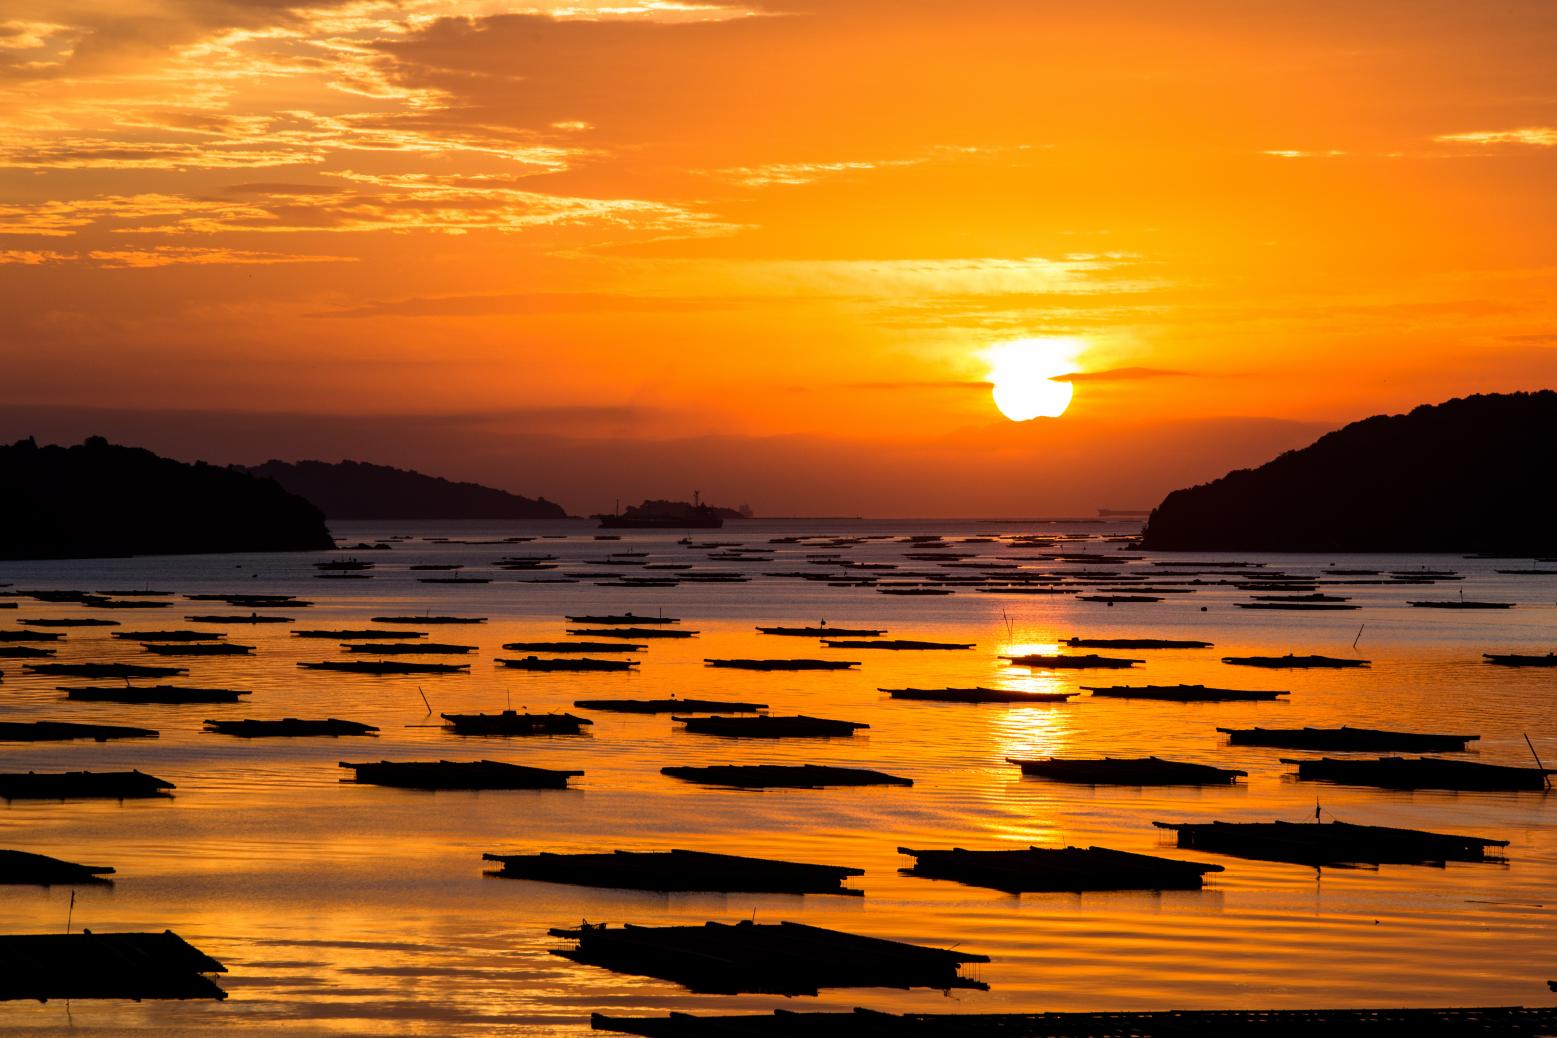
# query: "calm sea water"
[[346, 909]]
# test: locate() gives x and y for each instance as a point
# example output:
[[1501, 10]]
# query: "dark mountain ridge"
[[97, 499], [359, 490], [1474, 474]]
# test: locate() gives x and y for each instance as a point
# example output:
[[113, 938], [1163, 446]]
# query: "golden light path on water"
[[345, 909]]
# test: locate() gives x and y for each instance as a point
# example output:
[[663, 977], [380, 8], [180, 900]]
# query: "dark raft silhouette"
[[1468, 475], [98, 499], [358, 490]]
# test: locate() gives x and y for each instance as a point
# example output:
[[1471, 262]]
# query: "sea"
[[348, 909]]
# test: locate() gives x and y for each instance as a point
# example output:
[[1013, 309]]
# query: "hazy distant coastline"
[[360, 490]]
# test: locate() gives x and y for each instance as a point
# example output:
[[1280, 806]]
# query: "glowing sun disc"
[[1023, 374]]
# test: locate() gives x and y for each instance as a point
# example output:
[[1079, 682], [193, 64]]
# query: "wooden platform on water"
[[82, 785], [677, 870], [578, 663], [797, 664], [40, 870], [511, 722], [769, 726], [1332, 843], [61, 731], [446, 774], [766, 958], [105, 965], [1057, 869], [669, 706], [1006, 696], [290, 727], [1127, 771], [1479, 1022], [151, 694], [1376, 740], [1423, 773], [1185, 693], [783, 776]]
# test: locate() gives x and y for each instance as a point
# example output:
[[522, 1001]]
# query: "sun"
[[1024, 377]]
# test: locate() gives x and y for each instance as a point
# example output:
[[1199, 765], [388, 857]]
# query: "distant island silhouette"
[[1472, 474], [359, 490], [97, 499]]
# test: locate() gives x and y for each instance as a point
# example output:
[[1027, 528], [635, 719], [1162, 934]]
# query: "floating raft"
[[1127, 771], [171, 636], [1135, 643], [1184, 693], [977, 695], [197, 649], [1331, 843], [1299, 606], [288, 727], [783, 776], [767, 726], [565, 647], [105, 965], [24, 652], [669, 706], [105, 670], [581, 663], [823, 632], [677, 871], [251, 618], [620, 620], [175, 694], [1291, 662], [766, 958], [448, 774], [632, 633], [1514, 659], [419, 620], [69, 621], [74, 785], [1090, 661], [782, 664], [60, 731], [510, 723], [409, 648], [1073, 869], [362, 634], [23, 868], [1345, 738], [383, 667], [1493, 1022], [1456, 603], [1422, 773], [894, 644]]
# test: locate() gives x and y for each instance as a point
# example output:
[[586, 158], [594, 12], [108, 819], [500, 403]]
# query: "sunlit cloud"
[[1537, 136], [173, 255]]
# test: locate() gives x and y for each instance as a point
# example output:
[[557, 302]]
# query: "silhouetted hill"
[[358, 490], [1472, 474], [98, 499]]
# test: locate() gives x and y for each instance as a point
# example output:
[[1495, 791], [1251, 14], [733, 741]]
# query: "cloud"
[[925, 384], [1537, 136], [34, 257], [1120, 375], [173, 255], [526, 303]]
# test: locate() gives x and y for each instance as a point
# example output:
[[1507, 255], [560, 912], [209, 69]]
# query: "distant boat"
[[1514, 659]]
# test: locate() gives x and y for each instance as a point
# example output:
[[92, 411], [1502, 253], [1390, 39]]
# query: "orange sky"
[[613, 248]]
